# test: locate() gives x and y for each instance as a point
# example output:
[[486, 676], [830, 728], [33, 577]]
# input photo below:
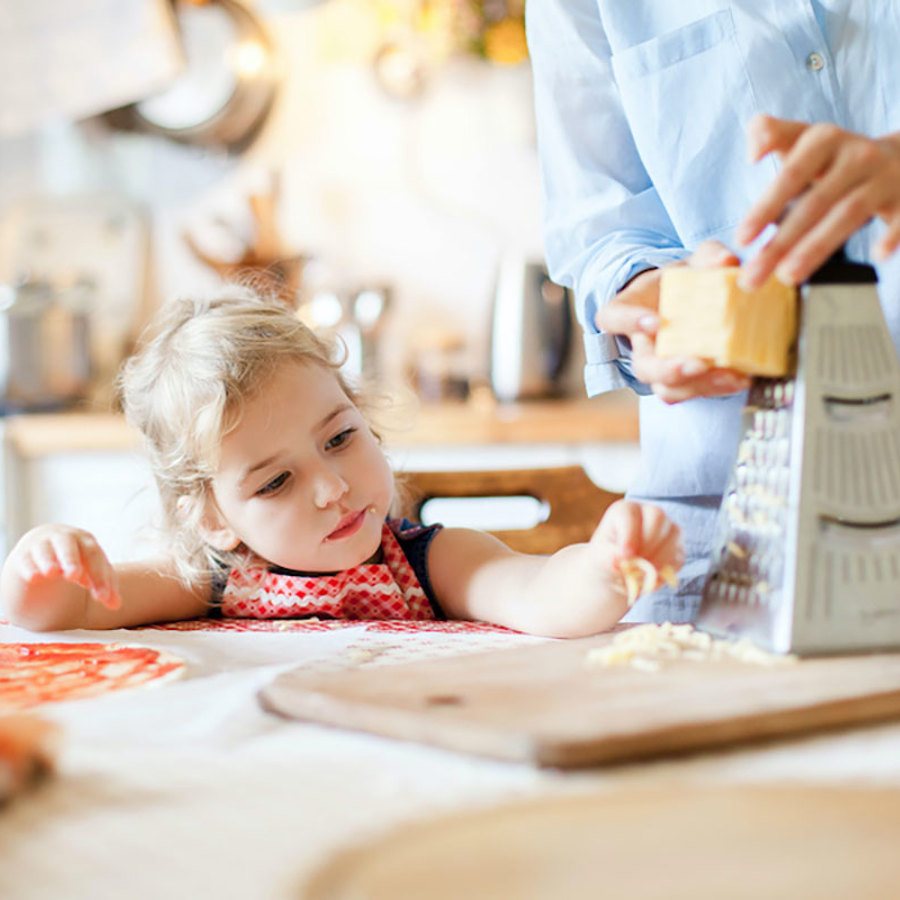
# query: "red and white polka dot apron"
[[385, 590]]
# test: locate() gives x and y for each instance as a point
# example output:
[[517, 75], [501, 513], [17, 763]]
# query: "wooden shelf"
[[603, 420], [608, 419]]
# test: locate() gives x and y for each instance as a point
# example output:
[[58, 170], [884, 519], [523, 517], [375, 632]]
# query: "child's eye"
[[273, 485], [339, 439]]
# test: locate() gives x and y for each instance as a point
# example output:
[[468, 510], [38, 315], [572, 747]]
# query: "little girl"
[[276, 496]]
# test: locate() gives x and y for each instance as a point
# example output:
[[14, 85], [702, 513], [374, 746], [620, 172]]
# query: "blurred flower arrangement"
[[491, 29]]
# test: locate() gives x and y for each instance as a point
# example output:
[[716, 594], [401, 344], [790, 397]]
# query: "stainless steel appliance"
[[71, 258], [45, 347], [531, 332]]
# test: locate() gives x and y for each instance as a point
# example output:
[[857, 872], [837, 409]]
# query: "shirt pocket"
[[687, 96]]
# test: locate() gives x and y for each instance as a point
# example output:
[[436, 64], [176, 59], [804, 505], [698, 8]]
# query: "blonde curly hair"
[[184, 390]]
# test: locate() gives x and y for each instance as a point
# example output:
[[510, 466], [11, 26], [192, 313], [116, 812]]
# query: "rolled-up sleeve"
[[604, 222]]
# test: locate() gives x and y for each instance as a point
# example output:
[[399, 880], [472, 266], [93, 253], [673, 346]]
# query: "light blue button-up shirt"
[[642, 108]]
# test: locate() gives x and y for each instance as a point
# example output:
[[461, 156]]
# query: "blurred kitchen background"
[[381, 152], [373, 161]]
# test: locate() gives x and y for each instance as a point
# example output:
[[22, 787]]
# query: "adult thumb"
[[622, 317]]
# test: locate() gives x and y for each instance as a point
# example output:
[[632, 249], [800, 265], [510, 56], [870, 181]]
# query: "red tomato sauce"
[[31, 674]]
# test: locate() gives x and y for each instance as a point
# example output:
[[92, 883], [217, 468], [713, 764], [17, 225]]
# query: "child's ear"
[[214, 530], [222, 539]]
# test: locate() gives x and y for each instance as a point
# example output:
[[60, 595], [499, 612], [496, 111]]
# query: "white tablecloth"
[[191, 790]]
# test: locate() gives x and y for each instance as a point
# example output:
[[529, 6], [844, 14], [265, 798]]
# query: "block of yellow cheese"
[[704, 313]]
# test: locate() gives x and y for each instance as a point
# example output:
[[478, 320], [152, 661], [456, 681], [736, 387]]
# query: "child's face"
[[302, 480]]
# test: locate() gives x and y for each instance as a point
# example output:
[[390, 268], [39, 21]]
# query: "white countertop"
[[191, 790]]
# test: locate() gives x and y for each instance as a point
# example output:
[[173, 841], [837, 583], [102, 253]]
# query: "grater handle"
[[838, 269]]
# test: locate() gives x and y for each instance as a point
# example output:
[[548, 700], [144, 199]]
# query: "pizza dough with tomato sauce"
[[32, 674]]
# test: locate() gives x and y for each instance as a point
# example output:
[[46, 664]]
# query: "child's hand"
[[51, 552], [630, 531]]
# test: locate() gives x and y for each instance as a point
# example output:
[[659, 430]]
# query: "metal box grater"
[[806, 556]]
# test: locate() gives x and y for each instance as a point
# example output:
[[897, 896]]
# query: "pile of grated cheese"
[[648, 647]]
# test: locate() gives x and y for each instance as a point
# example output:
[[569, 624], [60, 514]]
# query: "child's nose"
[[328, 487]]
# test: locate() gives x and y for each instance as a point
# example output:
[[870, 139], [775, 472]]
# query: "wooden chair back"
[[576, 503]]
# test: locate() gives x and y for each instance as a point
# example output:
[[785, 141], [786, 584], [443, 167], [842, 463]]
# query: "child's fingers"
[[108, 597], [659, 531], [621, 528], [76, 557], [638, 529], [642, 543], [654, 523], [668, 552], [643, 530], [648, 572], [67, 552], [44, 559], [27, 567], [107, 592], [98, 572]]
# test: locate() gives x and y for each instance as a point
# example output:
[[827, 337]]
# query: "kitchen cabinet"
[[87, 469]]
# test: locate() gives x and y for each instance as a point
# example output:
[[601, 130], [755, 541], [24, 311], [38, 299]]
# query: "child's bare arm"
[[58, 577], [579, 590]]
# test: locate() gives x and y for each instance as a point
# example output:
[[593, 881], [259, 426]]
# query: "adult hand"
[[633, 313], [832, 182]]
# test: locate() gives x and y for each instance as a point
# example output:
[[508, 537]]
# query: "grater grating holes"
[[853, 354]]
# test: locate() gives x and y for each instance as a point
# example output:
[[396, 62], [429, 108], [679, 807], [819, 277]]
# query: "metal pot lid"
[[228, 85]]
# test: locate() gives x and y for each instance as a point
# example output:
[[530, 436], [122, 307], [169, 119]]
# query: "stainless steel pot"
[[45, 350]]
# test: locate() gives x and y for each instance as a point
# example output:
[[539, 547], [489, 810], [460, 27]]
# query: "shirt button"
[[814, 62]]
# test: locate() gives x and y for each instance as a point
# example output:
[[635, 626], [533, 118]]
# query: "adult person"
[[707, 132]]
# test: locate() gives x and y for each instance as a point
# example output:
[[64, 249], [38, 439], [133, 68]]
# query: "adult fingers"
[[633, 313], [622, 317], [722, 383], [711, 255], [682, 378], [843, 220], [782, 254], [810, 155], [719, 383], [633, 309], [889, 241], [766, 134], [653, 369]]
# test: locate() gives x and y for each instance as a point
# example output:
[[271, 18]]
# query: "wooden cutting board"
[[702, 843], [542, 703]]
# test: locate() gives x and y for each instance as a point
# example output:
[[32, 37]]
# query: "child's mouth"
[[348, 526]]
